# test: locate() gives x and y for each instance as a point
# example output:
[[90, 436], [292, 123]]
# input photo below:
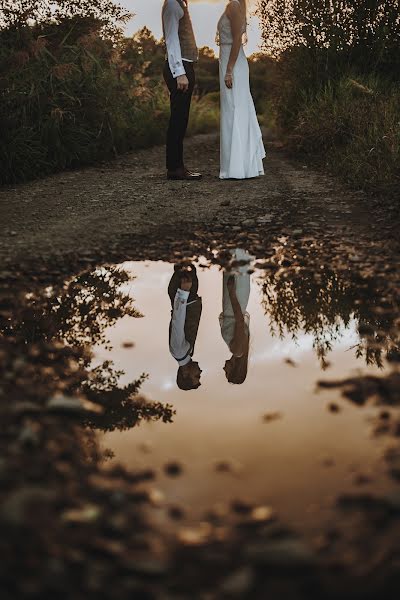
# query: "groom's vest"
[[187, 40]]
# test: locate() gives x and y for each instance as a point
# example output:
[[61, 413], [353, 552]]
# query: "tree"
[[365, 32], [20, 13]]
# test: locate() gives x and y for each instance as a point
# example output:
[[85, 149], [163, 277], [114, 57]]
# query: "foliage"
[[207, 72], [364, 34], [66, 321], [123, 407], [78, 311], [355, 127], [72, 92], [18, 14], [324, 304], [204, 114], [338, 69], [68, 97]]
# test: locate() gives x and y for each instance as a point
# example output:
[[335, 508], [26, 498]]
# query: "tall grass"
[[204, 114], [338, 83], [353, 125], [67, 98], [70, 97]]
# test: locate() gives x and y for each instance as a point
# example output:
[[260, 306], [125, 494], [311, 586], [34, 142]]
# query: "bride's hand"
[[229, 80]]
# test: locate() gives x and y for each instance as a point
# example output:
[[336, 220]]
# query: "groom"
[[179, 76], [185, 319]]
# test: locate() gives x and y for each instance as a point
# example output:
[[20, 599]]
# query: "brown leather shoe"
[[183, 175]]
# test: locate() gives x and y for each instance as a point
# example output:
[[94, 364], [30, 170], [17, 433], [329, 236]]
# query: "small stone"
[[195, 536], [241, 507], [26, 407], [239, 583], [176, 512], [328, 462], [290, 362], [150, 567], [145, 447], [29, 435], [362, 479], [384, 415], [85, 514], [173, 469], [128, 345], [286, 262], [14, 509], [261, 514], [267, 218], [156, 497], [290, 553], [228, 466], [272, 416]]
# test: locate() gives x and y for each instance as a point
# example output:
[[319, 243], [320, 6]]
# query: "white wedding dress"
[[241, 273], [242, 149]]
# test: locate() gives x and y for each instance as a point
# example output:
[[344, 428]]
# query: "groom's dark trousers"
[[178, 122]]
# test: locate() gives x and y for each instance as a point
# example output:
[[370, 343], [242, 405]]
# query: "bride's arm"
[[235, 16]]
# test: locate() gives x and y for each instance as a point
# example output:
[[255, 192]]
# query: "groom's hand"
[[182, 83]]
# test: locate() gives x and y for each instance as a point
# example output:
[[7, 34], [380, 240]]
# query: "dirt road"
[[80, 212], [71, 525]]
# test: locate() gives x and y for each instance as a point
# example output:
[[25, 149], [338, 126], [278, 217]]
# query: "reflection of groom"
[[180, 78], [185, 320]]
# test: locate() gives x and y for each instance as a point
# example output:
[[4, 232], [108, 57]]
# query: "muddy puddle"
[[248, 407], [270, 436]]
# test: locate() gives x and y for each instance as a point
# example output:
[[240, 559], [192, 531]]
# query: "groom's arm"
[[172, 14]]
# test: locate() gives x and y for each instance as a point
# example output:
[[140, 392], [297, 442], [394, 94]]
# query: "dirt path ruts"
[[86, 209]]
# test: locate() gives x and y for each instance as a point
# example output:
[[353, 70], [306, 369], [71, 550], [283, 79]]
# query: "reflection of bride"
[[234, 319]]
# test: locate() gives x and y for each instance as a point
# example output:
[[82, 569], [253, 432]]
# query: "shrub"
[[337, 82], [70, 97], [204, 114], [354, 126]]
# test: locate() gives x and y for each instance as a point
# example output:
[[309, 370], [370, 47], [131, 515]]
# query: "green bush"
[[204, 114], [337, 87], [68, 97], [354, 126]]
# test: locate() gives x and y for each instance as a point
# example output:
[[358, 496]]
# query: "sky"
[[205, 15]]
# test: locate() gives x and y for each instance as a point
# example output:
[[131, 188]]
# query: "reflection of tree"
[[77, 314], [321, 304], [79, 311], [123, 408]]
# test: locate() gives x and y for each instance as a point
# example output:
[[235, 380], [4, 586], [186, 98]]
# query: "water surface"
[[279, 441]]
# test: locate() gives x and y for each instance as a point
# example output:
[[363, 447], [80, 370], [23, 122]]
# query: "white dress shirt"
[[178, 344], [172, 14]]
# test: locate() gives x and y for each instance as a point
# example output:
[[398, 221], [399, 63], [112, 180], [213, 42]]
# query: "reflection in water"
[[186, 308], [93, 319], [76, 315], [234, 319], [269, 461], [77, 311], [324, 304]]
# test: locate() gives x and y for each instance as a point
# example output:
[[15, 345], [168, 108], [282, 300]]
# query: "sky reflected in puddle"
[[270, 440]]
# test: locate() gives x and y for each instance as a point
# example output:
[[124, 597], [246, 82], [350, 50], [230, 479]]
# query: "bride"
[[242, 149]]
